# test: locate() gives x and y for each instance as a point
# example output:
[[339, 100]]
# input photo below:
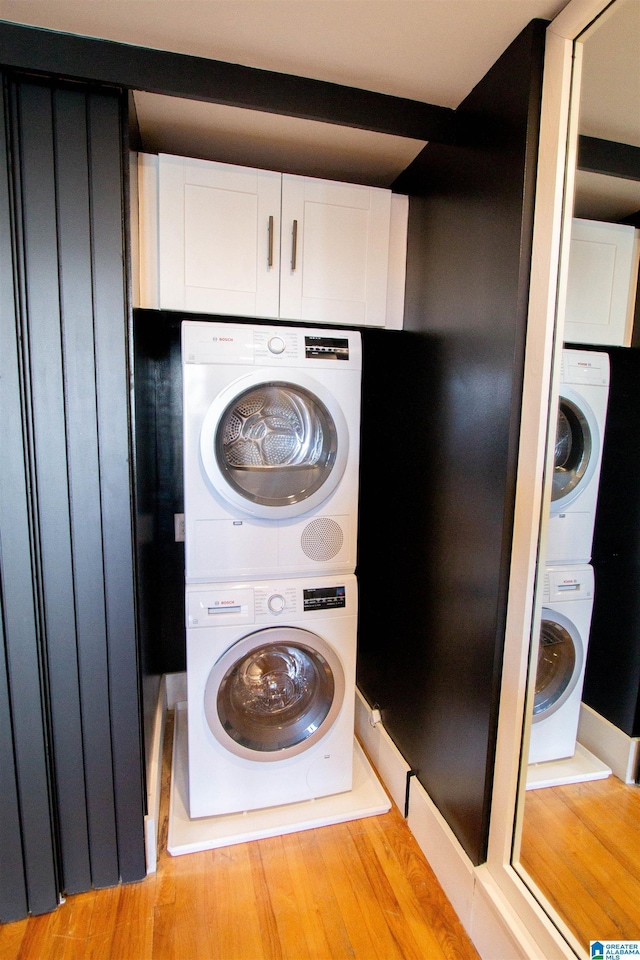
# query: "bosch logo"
[[226, 603], [222, 339]]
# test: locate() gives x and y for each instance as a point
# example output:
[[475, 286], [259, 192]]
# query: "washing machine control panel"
[[223, 605], [273, 601]]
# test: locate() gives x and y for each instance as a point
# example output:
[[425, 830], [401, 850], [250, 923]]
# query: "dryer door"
[[273, 447], [576, 451], [560, 659], [274, 693]]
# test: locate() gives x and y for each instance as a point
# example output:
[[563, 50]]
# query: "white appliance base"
[[579, 768], [366, 799]]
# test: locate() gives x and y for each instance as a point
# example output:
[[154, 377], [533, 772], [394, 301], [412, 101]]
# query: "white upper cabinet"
[[218, 238], [222, 239], [601, 285], [335, 252]]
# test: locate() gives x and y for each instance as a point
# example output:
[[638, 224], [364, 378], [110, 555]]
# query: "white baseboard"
[[391, 766], [154, 778], [609, 744]]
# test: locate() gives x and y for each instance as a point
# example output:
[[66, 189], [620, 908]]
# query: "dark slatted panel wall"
[[67, 153], [27, 848]]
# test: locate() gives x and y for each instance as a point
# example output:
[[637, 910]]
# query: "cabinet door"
[[335, 251], [219, 230], [603, 269]]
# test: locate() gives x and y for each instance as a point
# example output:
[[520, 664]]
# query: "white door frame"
[[502, 884]]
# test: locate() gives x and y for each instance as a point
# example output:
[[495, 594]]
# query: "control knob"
[[276, 603]]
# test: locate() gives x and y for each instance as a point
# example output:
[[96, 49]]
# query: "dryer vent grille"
[[322, 539]]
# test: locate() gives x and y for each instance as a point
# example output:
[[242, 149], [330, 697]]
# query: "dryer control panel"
[[296, 347]]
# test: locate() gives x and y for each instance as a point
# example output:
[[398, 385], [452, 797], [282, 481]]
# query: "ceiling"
[[430, 50]]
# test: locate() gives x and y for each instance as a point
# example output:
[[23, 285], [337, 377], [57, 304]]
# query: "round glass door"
[[276, 444], [559, 664], [274, 448], [275, 693], [574, 452]]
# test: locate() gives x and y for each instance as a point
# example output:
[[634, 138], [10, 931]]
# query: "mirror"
[[579, 837]]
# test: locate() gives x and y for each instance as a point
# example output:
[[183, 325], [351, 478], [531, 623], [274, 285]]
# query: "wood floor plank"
[[412, 939], [308, 907], [349, 896], [581, 845], [335, 929], [423, 902], [232, 905], [543, 860], [11, 937], [264, 908]]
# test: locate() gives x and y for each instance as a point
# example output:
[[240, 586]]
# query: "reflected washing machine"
[[562, 651], [582, 411], [271, 450], [270, 692]]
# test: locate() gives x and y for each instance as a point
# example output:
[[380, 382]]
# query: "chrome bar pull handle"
[[294, 245], [270, 253]]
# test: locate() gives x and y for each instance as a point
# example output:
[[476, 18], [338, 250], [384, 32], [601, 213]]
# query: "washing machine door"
[[274, 693], [274, 448], [560, 659], [576, 450]]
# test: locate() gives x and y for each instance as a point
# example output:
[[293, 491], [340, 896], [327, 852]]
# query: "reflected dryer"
[[582, 412]]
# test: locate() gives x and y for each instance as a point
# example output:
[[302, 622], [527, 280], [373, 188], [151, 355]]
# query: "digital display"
[[324, 598], [326, 348]]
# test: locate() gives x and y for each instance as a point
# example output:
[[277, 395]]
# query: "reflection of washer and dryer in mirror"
[[568, 592], [271, 448]]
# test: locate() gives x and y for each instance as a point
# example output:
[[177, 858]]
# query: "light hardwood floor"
[[360, 890], [581, 845]]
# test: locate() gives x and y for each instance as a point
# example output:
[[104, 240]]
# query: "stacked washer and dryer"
[[568, 581], [271, 450]]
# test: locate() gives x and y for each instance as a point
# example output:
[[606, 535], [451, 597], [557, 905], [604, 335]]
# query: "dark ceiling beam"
[[214, 81], [609, 157]]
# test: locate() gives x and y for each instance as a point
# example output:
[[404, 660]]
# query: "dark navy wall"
[[440, 437]]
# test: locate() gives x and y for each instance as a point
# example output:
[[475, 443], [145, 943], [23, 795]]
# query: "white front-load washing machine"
[[562, 650], [271, 450], [582, 412], [270, 692]]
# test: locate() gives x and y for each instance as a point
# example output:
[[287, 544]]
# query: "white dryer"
[[582, 411], [270, 692], [562, 651], [271, 450]]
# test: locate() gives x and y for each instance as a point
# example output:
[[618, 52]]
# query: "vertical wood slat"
[[78, 340], [46, 361], [28, 879], [112, 386]]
